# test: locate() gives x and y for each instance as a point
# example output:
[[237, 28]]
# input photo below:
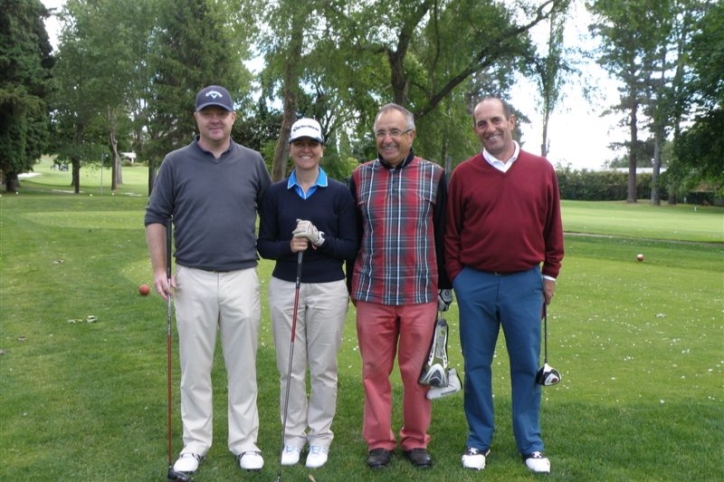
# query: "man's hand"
[[444, 298], [549, 290], [305, 229]]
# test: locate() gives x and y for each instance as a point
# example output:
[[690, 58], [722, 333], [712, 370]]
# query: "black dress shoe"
[[379, 458], [419, 458]]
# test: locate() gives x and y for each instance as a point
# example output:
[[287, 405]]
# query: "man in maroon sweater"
[[503, 249]]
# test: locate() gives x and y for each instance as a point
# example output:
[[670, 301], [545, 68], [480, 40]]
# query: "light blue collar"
[[322, 181]]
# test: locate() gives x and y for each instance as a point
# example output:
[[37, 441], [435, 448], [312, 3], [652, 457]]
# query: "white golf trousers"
[[321, 313], [207, 302]]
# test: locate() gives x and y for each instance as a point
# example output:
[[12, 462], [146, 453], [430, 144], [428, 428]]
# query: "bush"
[[603, 185]]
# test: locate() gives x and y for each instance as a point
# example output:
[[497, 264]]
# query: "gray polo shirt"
[[213, 203]]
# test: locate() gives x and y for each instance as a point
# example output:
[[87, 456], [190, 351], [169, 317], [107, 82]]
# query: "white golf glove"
[[444, 298], [305, 229]]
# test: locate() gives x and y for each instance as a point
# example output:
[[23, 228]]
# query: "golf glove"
[[305, 229], [444, 298]]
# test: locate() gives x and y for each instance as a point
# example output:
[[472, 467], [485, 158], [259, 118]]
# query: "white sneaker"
[[187, 462], [251, 461], [537, 462], [317, 456], [474, 458], [290, 455]]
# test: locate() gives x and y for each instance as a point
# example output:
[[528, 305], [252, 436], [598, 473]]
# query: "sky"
[[579, 136]]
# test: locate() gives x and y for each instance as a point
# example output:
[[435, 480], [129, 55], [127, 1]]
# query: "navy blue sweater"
[[330, 209]]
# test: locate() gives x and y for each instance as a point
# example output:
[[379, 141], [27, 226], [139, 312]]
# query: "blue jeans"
[[488, 301]]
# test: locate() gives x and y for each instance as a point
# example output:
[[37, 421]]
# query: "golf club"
[[300, 256], [547, 375], [434, 372], [172, 474]]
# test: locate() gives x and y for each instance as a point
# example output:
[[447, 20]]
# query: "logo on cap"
[[214, 94]]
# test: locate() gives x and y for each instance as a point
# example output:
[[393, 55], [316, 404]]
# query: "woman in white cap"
[[312, 213]]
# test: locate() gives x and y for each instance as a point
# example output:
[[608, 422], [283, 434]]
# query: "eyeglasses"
[[392, 133]]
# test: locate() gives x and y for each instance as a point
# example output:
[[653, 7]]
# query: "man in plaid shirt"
[[398, 282]]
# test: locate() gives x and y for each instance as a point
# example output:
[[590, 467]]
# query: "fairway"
[[83, 380]]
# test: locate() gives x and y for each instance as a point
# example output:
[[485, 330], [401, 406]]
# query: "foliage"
[[25, 63], [552, 70], [635, 37], [699, 150], [193, 46], [601, 185], [699, 159], [436, 58]]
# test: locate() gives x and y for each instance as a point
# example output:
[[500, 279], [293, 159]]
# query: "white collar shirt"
[[497, 163]]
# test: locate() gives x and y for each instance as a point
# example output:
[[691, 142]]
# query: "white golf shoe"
[[317, 456], [251, 461], [187, 462], [538, 463], [474, 458], [290, 456]]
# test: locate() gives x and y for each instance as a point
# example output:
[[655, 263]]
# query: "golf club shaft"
[[545, 333], [168, 339], [300, 257]]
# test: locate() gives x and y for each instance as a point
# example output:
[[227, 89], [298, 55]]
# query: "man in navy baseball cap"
[[214, 95]]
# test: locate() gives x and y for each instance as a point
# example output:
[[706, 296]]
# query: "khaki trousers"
[[207, 302], [321, 313]]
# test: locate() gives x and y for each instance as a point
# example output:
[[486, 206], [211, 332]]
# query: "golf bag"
[[434, 372]]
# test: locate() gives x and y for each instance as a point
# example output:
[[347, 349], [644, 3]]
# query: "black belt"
[[503, 273]]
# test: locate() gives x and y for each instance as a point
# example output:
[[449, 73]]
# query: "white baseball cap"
[[306, 128]]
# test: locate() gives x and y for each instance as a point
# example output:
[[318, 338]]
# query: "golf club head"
[[452, 387], [435, 376], [434, 371], [547, 376], [174, 476]]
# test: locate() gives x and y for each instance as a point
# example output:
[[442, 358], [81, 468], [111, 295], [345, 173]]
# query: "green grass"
[[639, 345], [679, 222]]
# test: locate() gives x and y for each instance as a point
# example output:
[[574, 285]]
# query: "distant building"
[[131, 156]]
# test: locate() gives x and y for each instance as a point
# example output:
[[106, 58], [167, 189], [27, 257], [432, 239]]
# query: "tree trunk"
[[544, 144], [291, 84], [398, 80], [75, 163], [116, 177], [12, 182], [655, 194], [151, 176], [633, 151]]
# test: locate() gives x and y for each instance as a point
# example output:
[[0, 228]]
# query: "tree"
[[284, 57], [551, 71], [25, 85], [195, 45], [79, 104], [698, 150], [422, 54], [635, 37]]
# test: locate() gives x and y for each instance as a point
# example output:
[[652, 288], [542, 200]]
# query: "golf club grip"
[[300, 257], [168, 250]]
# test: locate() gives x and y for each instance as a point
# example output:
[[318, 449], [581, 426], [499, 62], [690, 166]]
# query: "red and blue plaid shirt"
[[401, 214]]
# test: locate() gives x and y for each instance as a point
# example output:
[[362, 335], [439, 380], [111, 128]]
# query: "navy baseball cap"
[[214, 95]]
